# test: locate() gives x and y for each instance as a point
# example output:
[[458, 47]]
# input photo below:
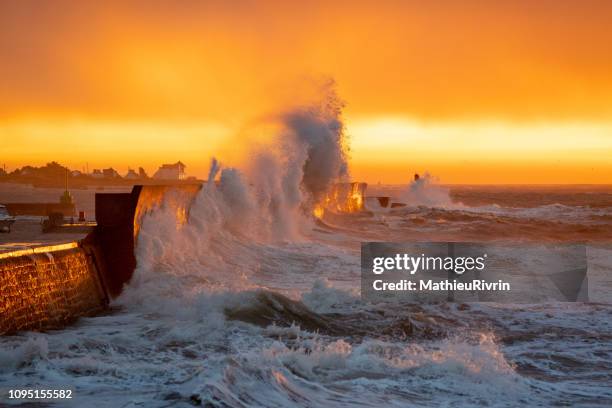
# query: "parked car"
[[6, 221]]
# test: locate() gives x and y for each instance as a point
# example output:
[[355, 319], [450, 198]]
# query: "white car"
[[6, 221]]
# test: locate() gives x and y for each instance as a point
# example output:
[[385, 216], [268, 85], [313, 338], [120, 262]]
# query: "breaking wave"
[[239, 210], [425, 191]]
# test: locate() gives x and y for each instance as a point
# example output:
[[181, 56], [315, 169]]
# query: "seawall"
[[48, 287]]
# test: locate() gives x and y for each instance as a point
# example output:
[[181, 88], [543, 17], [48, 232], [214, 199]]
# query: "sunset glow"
[[471, 92]]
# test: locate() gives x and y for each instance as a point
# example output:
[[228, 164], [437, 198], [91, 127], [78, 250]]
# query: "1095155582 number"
[[39, 394]]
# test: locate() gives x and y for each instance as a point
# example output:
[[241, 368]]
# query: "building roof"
[[178, 165]]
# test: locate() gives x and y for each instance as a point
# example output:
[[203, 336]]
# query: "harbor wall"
[[49, 287], [45, 288]]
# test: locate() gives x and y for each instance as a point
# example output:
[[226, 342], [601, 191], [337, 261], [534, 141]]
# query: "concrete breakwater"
[[48, 287]]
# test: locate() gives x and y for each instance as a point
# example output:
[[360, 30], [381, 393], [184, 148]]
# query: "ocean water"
[[244, 305]]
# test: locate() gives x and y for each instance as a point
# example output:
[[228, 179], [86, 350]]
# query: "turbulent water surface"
[[220, 313]]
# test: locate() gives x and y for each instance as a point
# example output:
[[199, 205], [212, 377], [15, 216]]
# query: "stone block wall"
[[48, 288]]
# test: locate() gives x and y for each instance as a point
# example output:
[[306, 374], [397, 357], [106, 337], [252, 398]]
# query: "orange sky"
[[474, 92]]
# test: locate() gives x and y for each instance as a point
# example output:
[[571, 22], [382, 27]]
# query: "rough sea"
[[235, 308]]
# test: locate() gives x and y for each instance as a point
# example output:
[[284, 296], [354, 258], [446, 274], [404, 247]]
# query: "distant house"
[[75, 173], [97, 173], [132, 175], [110, 173], [174, 171]]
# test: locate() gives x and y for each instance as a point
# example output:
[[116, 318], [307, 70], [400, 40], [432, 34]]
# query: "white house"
[[174, 171]]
